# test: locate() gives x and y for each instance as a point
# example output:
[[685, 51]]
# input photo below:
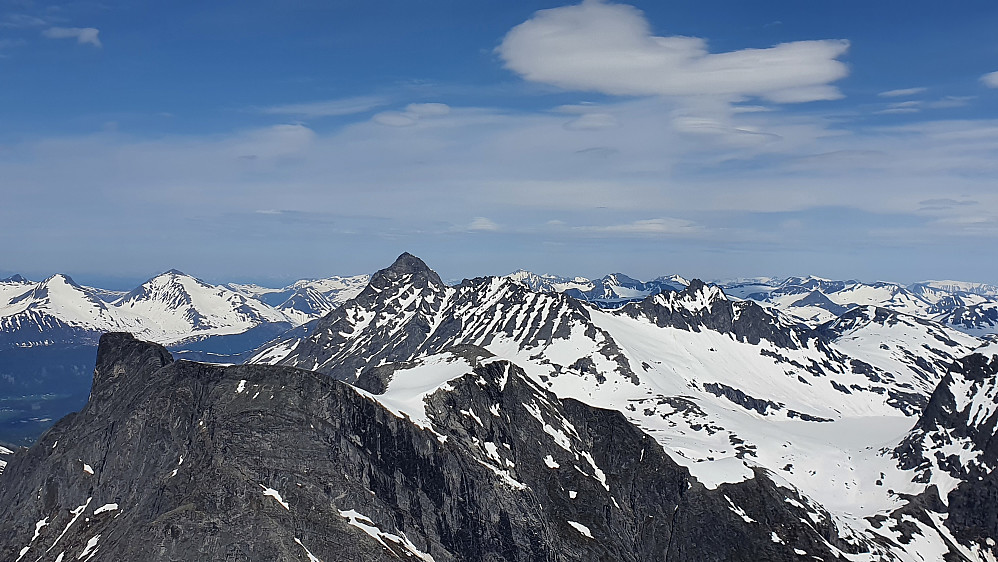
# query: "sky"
[[272, 141]]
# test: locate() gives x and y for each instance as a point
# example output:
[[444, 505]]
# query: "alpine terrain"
[[510, 418]]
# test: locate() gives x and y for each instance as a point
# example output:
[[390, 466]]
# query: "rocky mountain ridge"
[[271, 463]]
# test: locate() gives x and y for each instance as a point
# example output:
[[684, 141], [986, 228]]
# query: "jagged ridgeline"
[[487, 421]]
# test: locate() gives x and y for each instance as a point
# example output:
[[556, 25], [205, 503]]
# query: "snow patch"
[[105, 508], [276, 495], [581, 528], [311, 557], [91, 545], [365, 524]]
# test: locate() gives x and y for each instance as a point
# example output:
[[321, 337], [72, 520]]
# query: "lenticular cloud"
[[610, 48]]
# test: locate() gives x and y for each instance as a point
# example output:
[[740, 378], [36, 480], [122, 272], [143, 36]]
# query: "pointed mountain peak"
[[61, 278], [695, 286], [16, 278], [406, 265], [175, 272]]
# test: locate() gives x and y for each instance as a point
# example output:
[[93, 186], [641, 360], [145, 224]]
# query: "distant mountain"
[[969, 307], [55, 311], [490, 421], [49, 332], [610, 291], [307, 299], [728, 387], [175, 307]]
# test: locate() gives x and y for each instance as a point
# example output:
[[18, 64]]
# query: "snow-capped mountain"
[[609, 291], [54, 311], [864, 438], [307, 299], [969, 307], [171, 308], [725, 386], [174, 307], [270, 463]]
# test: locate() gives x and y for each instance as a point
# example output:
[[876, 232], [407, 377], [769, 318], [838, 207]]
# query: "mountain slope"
[[271, 463], [727, 387], [306, 299], [179, 307], [55, 311]]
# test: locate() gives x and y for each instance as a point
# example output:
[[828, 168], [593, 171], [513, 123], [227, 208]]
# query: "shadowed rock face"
[[188, 461], [962, 415]]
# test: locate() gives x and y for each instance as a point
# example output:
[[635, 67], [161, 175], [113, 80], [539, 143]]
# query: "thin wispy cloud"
[[903, 92], [327, 108], [414, 112], [609, 48], [902, 107], [990, 79], [482, 223], [83, 35], [650, 227], [17, 21]]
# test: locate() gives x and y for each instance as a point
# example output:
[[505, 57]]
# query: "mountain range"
[[495, 420]]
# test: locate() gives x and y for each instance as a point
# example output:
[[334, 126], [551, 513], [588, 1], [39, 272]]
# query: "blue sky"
[[270, 141]]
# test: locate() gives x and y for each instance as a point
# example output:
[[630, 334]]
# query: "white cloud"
[[903, 107], [592, 121], [395, 119], [903, 92], [666, 180], [83, 35], [659, 226], [949, 101], [327, 108], [413, 113], [990, 79], [609, 48], [428, 109], [482, 223], [21, 21]]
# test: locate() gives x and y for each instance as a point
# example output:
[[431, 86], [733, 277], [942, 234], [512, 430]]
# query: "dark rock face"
[[187, 461], [962, 414], [701, 306], [406, 311]]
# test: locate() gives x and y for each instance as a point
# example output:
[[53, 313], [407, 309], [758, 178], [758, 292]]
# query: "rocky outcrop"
[[955, 438], [174, 460]]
